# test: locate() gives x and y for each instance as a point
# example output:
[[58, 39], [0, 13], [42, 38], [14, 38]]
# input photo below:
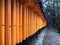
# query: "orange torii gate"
[[19, 19]]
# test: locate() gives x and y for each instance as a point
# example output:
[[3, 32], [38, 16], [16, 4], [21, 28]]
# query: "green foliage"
[[51, 9]]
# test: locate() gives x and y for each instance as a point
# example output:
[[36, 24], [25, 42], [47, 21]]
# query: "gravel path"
[[52, 37], [48, 36]]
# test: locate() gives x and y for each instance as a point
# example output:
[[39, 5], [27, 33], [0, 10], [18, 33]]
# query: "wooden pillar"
[[24, 22], [2, 22], [17, 22], [35, 23], [38, 23], [20, 22], [41, 22], [35, 26], [13, 23], [7, 22], [32, 22], [27, 22]]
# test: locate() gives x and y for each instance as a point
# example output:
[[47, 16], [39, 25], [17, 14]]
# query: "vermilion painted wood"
[[24, 22], [34, 7], [13, 23], [2, 22], [20, 22], [41, 22], [29, 23], [17, 21], [38, 23], [32, 22], [7, 22]]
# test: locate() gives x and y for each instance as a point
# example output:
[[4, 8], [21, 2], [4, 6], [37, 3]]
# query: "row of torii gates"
[[19, 19]]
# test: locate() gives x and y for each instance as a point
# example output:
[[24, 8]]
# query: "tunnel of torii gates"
[[19, 19]]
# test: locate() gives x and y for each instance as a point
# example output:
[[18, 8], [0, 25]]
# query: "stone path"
[[48, 36], [52, 37]]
